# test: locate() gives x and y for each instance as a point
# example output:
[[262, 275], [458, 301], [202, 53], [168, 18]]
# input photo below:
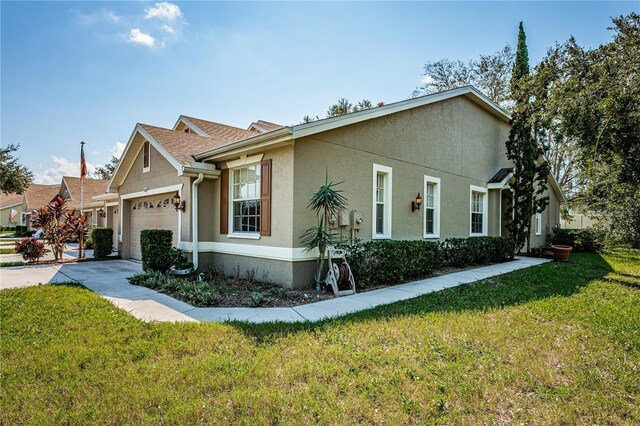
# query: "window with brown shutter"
[[224, 201], [265, 199]]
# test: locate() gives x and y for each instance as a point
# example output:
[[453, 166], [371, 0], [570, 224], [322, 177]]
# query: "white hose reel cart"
[[339, 274]]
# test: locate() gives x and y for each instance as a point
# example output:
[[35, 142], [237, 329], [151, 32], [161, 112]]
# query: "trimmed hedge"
[[461, 252], [102, 242], [156, 249], [588, 240], [393, 261], [390, 261]]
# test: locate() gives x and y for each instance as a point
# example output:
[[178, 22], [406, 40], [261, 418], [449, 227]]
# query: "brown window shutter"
[[224, 201], [265, 198]]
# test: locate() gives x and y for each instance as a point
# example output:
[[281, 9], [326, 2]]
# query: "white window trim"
[[485, 210], [148, 168], [538, 224], [436, 213], [233, 234], [377, 168]]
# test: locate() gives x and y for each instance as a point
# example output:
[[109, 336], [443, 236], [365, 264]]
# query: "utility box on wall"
[[355, 219]]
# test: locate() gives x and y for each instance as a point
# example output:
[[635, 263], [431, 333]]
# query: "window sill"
[[247, 236], [478, 235], [381, 237], [431, 236], [146, 169]]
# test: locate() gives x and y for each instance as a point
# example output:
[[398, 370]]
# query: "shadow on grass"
[[534, 283], [71, 284]]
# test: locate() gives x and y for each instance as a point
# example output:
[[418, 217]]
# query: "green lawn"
[[554, 344]]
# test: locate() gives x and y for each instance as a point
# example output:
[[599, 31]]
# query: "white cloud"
[[111, 15], [118, 149], [168, 29], [163, 10], [138, 37], [63, 167]]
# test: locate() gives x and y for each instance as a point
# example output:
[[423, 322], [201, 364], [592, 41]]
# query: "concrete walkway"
[[109, 279]]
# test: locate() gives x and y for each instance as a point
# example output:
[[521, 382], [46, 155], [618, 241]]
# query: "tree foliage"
[[490, 74], [106, 171], [342, 107], [526, 152], [14, 177]]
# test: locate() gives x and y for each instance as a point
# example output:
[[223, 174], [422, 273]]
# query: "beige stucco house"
[[8, 203], [245, 191]]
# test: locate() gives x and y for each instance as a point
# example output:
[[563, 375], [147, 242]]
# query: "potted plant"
[[180, 265], [561, 252]]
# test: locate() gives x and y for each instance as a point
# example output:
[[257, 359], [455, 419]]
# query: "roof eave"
[[275, 136]]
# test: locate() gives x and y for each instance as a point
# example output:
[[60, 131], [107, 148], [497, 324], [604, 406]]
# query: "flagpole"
[[81, 184]]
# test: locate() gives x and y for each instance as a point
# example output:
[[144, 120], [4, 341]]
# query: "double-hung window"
[[431, 207], [245, 199], [478, 219], [538, 223], [382, 193]]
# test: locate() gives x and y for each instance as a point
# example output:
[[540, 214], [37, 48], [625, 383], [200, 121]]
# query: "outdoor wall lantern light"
[[177, 204], [102, 213], [417, 203]]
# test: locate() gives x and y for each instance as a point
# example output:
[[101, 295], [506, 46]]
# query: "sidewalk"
[[109, 279]]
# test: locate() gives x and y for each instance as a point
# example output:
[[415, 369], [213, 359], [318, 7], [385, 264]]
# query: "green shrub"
[[462, 252], [102, 242], [156, 249], [88, 243], [588, 240], [390, 261]]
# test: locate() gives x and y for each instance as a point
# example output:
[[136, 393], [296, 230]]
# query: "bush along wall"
[[102, 242], [392, 262], [589, 240], [156, 249]]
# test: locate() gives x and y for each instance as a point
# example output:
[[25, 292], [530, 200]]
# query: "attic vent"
[[187, 130]]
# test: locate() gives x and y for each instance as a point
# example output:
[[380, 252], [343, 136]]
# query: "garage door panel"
[[155, 212]]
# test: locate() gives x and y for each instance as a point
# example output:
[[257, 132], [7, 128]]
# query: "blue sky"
[[91, 70]]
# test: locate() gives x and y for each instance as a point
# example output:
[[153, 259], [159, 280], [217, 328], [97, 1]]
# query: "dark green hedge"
[[102, 242], [462, 252], [589, 240], [391, 261], [156, 249]]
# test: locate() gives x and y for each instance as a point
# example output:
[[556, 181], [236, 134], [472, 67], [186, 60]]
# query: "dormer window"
[[146, 157]]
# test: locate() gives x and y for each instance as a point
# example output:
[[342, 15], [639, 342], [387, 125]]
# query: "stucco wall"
[[161, 174], [4, 215], [455, 140]]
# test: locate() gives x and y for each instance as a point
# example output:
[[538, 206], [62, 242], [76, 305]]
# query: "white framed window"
[[244, 188], [478, 217], [538, 226], [431, 207], [146, 157], [382, 199]]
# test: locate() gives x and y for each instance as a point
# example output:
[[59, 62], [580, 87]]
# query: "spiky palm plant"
[[325, 203]]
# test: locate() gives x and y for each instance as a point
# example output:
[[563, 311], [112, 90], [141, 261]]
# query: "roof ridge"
[[214, 122]]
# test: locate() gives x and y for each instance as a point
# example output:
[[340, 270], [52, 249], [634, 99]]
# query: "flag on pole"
[[83, 162], [12, 213]]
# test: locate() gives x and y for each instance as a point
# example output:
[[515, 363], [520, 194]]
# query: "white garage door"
[[155, 212]]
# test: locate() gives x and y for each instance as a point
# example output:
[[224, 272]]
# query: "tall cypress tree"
[[530, 168]]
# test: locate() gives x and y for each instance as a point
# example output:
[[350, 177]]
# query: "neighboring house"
[[79, 196], [246, 191], [37, 196], [12, 203]]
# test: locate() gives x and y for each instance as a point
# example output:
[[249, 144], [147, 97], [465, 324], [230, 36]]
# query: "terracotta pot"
[[561, 253]]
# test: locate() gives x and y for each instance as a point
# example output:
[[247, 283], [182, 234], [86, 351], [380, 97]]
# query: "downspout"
[[194, 220]]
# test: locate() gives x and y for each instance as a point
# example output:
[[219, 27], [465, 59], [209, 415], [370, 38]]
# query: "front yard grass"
[[553, 344]]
